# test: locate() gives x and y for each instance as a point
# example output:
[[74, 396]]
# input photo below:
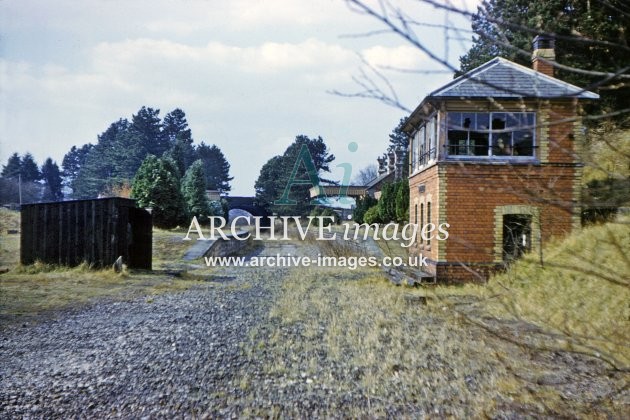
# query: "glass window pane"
[[457, 140], [478, 143], [468, 120], [502, 145], [454, 120], [523, 143], [483, 121], [498, 121], [514, 120]]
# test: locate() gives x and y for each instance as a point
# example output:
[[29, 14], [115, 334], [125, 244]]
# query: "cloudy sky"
[[250, 75]]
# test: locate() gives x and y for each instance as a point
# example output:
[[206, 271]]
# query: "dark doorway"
[[517, 235]]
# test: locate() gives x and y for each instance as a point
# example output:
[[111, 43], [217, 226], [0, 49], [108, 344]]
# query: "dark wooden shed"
[[95, 231]]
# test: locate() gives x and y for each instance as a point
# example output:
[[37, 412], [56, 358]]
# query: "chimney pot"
[[544, 54]]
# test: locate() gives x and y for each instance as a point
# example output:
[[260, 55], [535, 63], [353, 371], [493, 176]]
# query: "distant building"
[[213, 195], [495, 154]]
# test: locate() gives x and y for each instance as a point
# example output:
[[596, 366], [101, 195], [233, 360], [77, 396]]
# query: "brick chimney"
[[544, 54]]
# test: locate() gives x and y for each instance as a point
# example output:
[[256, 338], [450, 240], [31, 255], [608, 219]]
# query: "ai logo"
[[304, 157]]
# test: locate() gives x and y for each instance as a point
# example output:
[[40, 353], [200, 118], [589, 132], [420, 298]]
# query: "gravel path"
[[171, 354], [215, 351]]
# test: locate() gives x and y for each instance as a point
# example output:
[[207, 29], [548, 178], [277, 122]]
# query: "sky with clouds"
[[250, 75]]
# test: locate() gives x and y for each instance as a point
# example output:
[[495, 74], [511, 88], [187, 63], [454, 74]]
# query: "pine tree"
[[398, 138], [72, 163], [13, 167], [387, 203], [179, 137], [103, 161], [52, 181], [146, 129], [29, 169], [216, 168], [194, 192], [275, 175]]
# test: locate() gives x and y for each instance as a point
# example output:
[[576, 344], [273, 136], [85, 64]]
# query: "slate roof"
[[501, 78], [380, 178]]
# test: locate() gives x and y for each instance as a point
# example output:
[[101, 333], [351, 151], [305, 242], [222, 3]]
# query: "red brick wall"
[[560, 133], [465, 194], [429, 179], [474, 191]]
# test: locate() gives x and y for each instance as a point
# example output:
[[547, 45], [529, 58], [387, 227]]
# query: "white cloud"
[[402, 57], [250, 75]]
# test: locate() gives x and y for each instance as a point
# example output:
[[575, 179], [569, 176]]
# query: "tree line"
[[110, 166]]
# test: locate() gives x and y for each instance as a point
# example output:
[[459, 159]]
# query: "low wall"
[[222, 247]]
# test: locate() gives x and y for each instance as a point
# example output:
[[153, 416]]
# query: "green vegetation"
[[194, 192], [582, 291], [157, 185], [392, 206], [276, 173], [372, 215], [363, 204], [108, 167], [590, 36]]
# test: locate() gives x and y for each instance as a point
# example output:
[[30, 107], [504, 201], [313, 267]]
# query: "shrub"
[[372, 215]]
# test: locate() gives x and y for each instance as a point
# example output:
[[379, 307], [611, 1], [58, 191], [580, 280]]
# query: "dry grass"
[[582, 291], [472, 350], [9, 244], [30, 291], [27, 292], [358, 334], [169, 248]]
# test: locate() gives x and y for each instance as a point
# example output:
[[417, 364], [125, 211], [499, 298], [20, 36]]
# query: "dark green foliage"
[[393, 205], [183, 154], [194, 192], [506, 28], [387, 203], [13, 167], [121, 149], [402, 201], [103, 162], [362, 205], [52, 181], [398, 138], [372, 215], [157, 185], [72, 163], [179, 137], [216, 167], [29, 169], [268, 187], [220, 208], [276, 173], [325, 212], [146, 132]]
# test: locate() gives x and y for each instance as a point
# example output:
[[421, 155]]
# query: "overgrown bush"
[[372, 215], [157, 185], [362, 205], [326, 212], [402, 201]]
